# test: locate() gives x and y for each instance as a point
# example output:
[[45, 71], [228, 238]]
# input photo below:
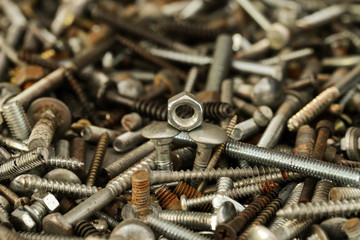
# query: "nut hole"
[[185, 111]]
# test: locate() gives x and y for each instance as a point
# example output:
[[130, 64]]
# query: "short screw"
[[50, 116], [172, 230], [340, 193], [16, 120], [98, 159], [161, 134], [167, 199]]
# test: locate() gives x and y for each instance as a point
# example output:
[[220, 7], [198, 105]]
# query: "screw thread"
[[180, 57], [263, 217], [224, 184], [340, 193], [140, 191], [318, 210], [212, 174], [283, 148], [230, 229], [4, 216], [129, 159], [17, 120], [120, 183], [322, 190], [172, 230], [185, 189], [307, 166], [288, 56], [7, 233], [112, 222], [83, 229], [277, 176], [62, 162], [193, 220], [98, 158], [218, 110], [40, 236], [181, 156], [151, 109], [167, 199], [23, 163], [313, 108], [54, 186], [43, 132], [293, 228], [293, 199], [39, 209]]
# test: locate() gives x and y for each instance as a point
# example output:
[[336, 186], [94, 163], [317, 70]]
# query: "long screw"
[[98, 159], [13, 197]]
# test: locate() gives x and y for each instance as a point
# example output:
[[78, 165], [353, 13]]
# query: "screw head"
[[56, 223], [161, 132], [61, 111], [261, 233], [278, 36], [262, 116], [132, 229], [208, 134]]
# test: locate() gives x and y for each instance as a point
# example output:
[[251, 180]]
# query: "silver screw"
[[172, 230], [161, 134], [16, 120], [127, 140], [191, 79], [63, 162], [66, 188], [340, 193]]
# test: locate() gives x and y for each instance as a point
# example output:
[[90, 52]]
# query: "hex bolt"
[[51, 117], [340, 193], [98, 159], [127, 141], [324, 99], [230, 229], [233, 193], [66, 188], [16, 120], [200, 220], [161, 134], [43, 203], [23, 163], [351, 228], [205, 142], [317, 210], [62, 224], [221, 63], [247, 128], [127, 160], [172, 230]]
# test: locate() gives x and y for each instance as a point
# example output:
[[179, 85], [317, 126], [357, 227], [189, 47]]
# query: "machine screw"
[[16, 120], [340, 193]]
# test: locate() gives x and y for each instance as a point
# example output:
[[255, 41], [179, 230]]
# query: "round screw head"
[[208, 134], [261, 233], [159, 132], [132, 229], [278, 36], [225, 213], [61, 111], [262, 116]]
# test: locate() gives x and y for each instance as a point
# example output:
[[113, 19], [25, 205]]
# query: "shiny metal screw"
[[16, 120]]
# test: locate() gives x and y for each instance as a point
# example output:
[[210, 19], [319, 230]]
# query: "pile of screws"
[[193, 119]]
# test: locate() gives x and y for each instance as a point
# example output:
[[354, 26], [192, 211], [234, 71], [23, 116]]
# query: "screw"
[[161, 134], [98, 159], [84, 229], [317, 210], [57, 223], [172, 230], [189, 192], [180, 157], [127, 141], [351, 228], [199, 220], [4, 217], [323, 100], [13, 197], [340, 193], [129, 159], [51, 116], [66, 188], [62, 162], [247, 128], [230, 229], [16, 120], [92, 133], [14, 144], [244, 107], [78, 151], [131, 121], [167, 199], [191, 79], [214, 136], [289, 56], [112, 222]]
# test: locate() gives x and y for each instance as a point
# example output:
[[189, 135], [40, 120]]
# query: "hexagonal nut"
[[183, 101], [47, 199], [22, 220]]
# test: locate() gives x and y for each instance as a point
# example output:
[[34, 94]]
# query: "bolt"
[[71, 189], [98, 159], [172, 230], [340, 193], [129, 159], [51, 117], [214, 136], [247, 128], [161, 134], [317, 210], [16, 120], [62, 224], [324, 99]]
